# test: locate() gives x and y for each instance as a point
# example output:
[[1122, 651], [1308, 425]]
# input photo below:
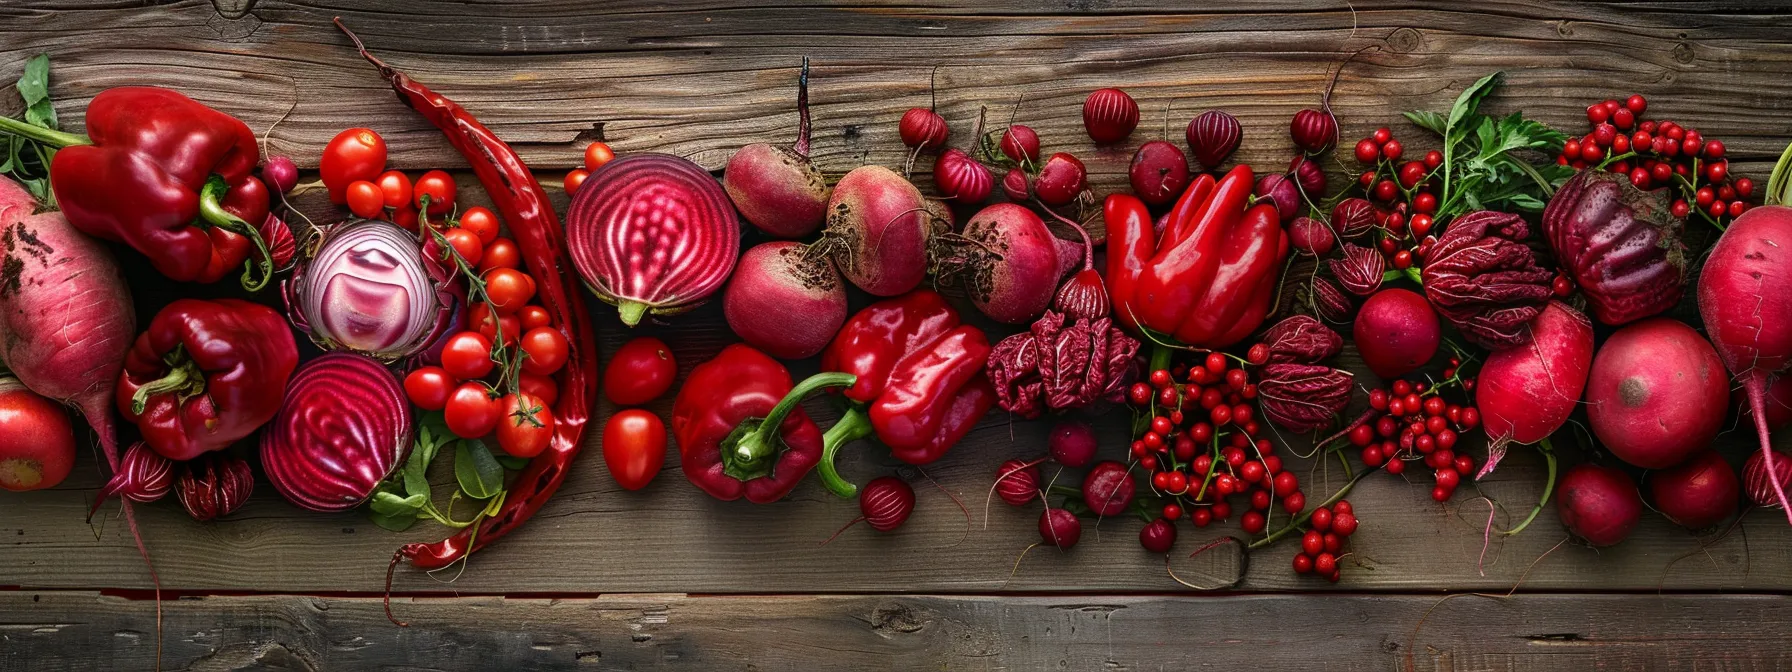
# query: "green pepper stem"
[[1160, 357], [211, 211], [854, 425], [763, 438], [1549, 488], [48, 136], [184, 377]]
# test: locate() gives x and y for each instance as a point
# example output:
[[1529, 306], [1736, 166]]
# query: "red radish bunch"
[[1598, 504], [1110, 115], [922, 128], [962, 179], [1061, 180], [1212, 136], [1159, 172], [1020, 144], [1323, 546], [784, 300], [777, 188]]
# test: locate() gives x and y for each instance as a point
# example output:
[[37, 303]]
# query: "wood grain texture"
[[701, 78], [51, 631]]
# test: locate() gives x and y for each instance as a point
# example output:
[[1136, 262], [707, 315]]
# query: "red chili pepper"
[[1211, 276], [536, 230], [741, 429], [166, 175], [205, 374], [920, 380]]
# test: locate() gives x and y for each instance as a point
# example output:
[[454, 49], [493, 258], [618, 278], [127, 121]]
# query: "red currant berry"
[[1367, 151]]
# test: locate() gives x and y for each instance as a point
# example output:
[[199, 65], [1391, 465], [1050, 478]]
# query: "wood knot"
[[895, 618], [1565, 28], [1683, 53], [1405, 40]]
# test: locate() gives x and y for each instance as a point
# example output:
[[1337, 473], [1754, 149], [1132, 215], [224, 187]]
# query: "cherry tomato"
[[634, 447], [641, 371], [597, 154], [534, 316], [467, 355], [395, 187], [428, 387], [364, 199], [465, 243], [502, 253], [482, 321], [439, 187], [481, 221], [406, 217], [509, 289], [542, 387], [354, 154], [574, 179], [472, 411], [527, 425], [545, 350]]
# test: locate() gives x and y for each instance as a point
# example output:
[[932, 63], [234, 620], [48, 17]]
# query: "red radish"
[[1599, 504], [1110, 115], [1525, 393], [1008, 261], [1061, 181], [1397, 332], [885, 504], [1020, 144], [1017, 186], [1159, 172], [1698, 494], [1157, 536], [1281, 191], [280, 173], [1311, 236], [1317, 130], [37, 442], [961, 179], [1017, 482], [1084, 296], [1071, 443], [1656, 393], [1760, 485], [652, 233], [1107, 489], [1745, 297], [1308, 176], [776, 188], [878, 231], [1213, 136], [922, 128], [1060, 528], [784, 300], [142, 476]]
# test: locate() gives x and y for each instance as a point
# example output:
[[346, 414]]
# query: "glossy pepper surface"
[[920, 383], [205, 374], [741, 428], [1208, 279], [168, 176]]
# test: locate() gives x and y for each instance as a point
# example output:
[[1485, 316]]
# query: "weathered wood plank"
[[51, 631], [702, 78]]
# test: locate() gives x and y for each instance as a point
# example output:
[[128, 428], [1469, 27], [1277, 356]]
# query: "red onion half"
[[652, 233], [344, 427], [370, 289]]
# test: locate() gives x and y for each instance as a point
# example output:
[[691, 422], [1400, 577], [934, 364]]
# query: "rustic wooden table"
[[670, 578]]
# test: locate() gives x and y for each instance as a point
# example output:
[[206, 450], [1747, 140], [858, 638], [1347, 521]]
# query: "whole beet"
[[777, 188], [784, 300], [1008, 261], [878, 230]]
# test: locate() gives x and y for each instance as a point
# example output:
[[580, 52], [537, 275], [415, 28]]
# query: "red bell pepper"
[[205, 374], [920, 383], [166, 175], [741, 428], [1210, 276]]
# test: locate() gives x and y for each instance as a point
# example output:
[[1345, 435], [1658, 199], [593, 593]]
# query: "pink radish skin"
[[1060, 528], [1599, 504], [878, 230], [1698, 494], [1657, 393], [1009, 262], [1526, 393], [1396, 332], [1108, 488], [784, 300], [777, 188], [1779, 402], [1071, 443], [1745, 298]]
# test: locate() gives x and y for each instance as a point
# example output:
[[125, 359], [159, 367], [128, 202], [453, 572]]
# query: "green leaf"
[[478, 472], [1470, 100], [393, 523], [34, 87], [512, 462], [1428, 120], [387, 503]]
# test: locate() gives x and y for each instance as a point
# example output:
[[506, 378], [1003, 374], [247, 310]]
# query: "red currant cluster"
[[1322, 546], [1404, 195], [1414, 423], [1199, 444], [1658, 154]]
